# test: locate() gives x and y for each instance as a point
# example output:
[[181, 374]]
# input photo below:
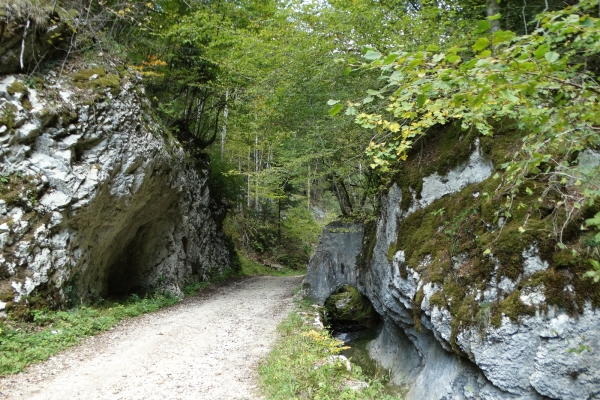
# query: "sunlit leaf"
[[390, 58], [335, 109], [372, 55], [481, 44], [552, 56], [482, 26]]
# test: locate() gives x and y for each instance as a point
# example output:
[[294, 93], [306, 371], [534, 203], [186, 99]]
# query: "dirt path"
[[207, 347]]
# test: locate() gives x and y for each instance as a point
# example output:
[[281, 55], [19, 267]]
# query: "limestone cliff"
[[473, 307], [95, 197]]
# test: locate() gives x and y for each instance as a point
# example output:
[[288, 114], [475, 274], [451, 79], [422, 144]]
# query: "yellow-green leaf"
[[481, 44], [335, 109]]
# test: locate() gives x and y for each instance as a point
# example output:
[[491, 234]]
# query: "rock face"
[[545, 352], [95, 199]]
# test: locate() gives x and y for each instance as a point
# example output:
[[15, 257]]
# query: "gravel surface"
[[206, 347]]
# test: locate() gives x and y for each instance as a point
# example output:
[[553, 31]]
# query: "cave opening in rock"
[[126, 273], [351, 315], [121, 280]]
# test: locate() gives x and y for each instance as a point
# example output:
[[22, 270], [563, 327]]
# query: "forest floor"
[[206, 347]]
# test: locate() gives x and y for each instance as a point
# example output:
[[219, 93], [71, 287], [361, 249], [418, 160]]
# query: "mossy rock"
[[15, 188], [7, 116], [26, 104], [112, 81], [512, 307], [16, 87], [86, 74], [347, 304], [7, 294], [101, 82], [444, 148]]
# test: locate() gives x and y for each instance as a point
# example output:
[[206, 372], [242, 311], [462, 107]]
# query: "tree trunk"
[[249, 197], [224, 130], [308, 189], [339, 189], [493, 8]]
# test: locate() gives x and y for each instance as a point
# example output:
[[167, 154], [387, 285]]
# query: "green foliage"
[[595, 273], [194, 288], [252, 268], [281, 232], [544, 83], [297, 367]]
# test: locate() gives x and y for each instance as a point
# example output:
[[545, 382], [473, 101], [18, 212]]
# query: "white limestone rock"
[[108, 201]]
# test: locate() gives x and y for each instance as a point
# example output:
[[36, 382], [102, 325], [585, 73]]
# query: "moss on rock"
[[475, 238], [347, 304], [85, 74], [97, 79], [16, 87]]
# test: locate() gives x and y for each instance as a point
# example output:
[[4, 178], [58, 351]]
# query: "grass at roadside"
[[251, 268], [297, 367], [23, 343]]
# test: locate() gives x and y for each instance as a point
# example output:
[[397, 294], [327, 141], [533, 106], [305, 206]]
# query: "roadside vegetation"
[[304, 365], [251, 268], [48, 332], [38, 334]]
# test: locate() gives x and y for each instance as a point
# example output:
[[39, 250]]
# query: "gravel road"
[[206, 347]]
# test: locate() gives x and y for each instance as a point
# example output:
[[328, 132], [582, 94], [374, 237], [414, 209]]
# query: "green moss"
[[123, 72], [112, 81], [7, 295], [16, 87], [512, 307], [438, 152], [7, 116], [368, 245], [438, 272], [103, 81], [86, 74], [26, 104], [16, 186], [416, 305], [503, 145], [438, 299], [455, 294], [355, 307], [463, 317], [391, 252]]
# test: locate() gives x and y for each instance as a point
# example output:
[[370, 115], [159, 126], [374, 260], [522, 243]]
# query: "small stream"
[[357, 337]]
